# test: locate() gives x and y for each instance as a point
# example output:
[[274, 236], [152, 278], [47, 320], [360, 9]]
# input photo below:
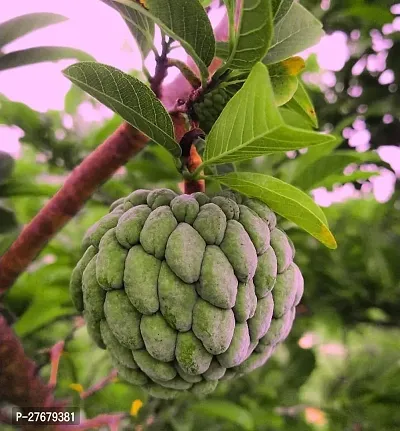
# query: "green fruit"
[[188, 290], [209, 108]]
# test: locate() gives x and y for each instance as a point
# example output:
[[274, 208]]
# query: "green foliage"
[[298, 30], [22, 25], [251, 116], [254, 29], [348, 318], [285, 199], [196, 36], [138, 107], [141, 26]]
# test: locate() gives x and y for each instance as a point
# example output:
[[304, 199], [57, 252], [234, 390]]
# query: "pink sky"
[[98, 30]]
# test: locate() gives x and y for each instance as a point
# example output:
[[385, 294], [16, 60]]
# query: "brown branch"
[[77, 189], [19, 382], [161, 68]]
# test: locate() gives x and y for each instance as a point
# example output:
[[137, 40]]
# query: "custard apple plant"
[[185, 290]]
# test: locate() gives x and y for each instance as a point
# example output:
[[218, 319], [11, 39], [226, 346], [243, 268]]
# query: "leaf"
[[225, 410], [6, 166], [8, 221], [283, 78], [280, 8], [292, 118], [302, 104], [41, 54], [141, 27], [297, 31], [128, 97], [19, 114], [74, 97], [253, 35], [285, 200], [313, 155], [19, 187], [250, 125], [44, 310], [222, 50], [377, 15], [21, 25], [185, 21], [323, 168], [333, 180]]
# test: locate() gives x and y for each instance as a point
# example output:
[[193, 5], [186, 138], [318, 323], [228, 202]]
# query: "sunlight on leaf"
[[285, 200]]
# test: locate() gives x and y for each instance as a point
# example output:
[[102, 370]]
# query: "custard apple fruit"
[[209, 107], [186, 290]]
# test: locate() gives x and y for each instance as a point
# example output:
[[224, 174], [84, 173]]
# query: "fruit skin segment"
[[186, 290]]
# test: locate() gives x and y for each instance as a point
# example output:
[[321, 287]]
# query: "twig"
[[161, 67], [55, 356], [19, 382], [79, 186], [100, 385]]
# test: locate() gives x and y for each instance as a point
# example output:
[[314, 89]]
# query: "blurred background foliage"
[[340, 368]]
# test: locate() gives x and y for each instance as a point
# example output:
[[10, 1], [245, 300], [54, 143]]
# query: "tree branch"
[[161, 68], [19, 382], [77, 189]]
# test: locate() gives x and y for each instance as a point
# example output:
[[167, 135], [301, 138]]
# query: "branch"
[[19, 382], [161, 68], [77, 189], [100, 385]]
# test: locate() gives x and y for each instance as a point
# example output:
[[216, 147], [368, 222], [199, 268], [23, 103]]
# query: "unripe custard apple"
[[187, 290]]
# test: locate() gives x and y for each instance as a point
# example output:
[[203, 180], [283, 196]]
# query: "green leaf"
[[280, 8], [6, 166], [222, 50], [141, 27], [377, 15], [44, 310], [313, 155], [185, 21], [292, 118], [24, 24], [253, 35], [285, 200], [8, 221], [331, 164], [333, 180], [284, 78], [297, 31], [41, 54], [19, 187], [250, 125], [19, 114], [128, 97], [302, 104], [225, 410], [74, 97]]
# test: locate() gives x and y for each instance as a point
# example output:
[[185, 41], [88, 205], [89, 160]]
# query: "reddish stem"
[[79, 186], [194, 161], [19, 382], [55, 356], [100, 385]]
